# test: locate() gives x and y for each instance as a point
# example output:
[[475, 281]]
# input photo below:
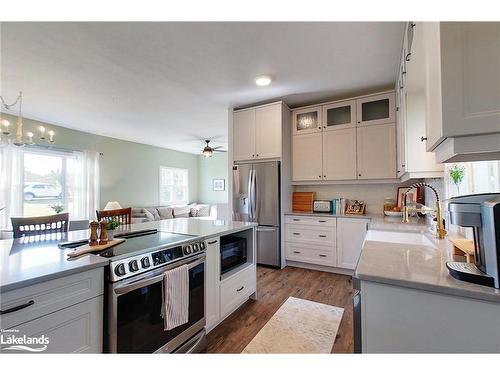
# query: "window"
[[478, 177], [174, 186]]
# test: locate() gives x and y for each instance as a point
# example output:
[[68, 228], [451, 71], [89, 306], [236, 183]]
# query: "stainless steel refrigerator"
[[256, 197]]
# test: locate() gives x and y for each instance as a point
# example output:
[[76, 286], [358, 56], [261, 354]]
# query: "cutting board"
[[90, 249], [302, 202]]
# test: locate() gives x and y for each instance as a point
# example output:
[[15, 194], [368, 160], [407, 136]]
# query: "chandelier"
[[20, 138]]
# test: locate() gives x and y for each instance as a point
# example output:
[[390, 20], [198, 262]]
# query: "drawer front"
[[236, 290], [47, 297], [75, 329], [310, 234], [311, 220], [314, 254]]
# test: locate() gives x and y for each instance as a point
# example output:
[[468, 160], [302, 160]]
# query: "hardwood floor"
[[273, 288]]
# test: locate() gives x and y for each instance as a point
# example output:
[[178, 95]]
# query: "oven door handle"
[[128, 287]]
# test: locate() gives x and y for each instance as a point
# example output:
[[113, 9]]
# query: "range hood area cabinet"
[[413, 160], [346, 140], [462, 89], [257, 132]]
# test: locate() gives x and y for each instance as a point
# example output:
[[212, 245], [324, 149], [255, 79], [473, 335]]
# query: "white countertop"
[[416, 266], [26, 261]]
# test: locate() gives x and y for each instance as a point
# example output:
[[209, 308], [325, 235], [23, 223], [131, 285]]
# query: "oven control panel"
[[123, 268]]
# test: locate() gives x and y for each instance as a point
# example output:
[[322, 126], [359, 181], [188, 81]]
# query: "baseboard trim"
[[318, 267]]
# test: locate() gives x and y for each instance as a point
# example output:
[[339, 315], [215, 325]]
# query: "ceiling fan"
[[209, 151]]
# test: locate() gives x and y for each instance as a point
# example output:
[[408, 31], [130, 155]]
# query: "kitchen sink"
[[409, 238]]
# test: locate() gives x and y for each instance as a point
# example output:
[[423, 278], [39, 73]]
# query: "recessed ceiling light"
[[263, 80]]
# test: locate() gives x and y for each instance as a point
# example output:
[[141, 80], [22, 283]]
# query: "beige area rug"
[[299, 326]]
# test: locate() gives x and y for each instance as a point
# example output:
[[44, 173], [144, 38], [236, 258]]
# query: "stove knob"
[[202, 245], [196, 247], [145, 262], [133, 266], [120, 270], [187, 250]]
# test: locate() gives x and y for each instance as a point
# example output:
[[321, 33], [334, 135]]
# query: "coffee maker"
[[481, 212]]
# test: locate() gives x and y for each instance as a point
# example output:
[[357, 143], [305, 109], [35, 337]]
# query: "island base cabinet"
[[75, 329], [236, 289], [396, 319], [212, 280]]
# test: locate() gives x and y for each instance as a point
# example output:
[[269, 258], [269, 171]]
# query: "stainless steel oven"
[[134, 322]]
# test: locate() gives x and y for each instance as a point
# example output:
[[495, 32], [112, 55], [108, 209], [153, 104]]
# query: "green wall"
[[210, 168], [129, 171]]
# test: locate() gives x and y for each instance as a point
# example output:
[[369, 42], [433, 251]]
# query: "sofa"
[[145, 214]]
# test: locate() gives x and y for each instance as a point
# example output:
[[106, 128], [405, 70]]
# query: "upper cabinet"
[[376, 151], [306, 120], [376, 109], [339, 115], [307, 157], [462, 60], [257, 132]]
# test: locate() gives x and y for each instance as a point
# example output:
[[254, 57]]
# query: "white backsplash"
[[372, 194]]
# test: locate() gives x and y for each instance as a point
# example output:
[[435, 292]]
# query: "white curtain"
[[83, 182], [11, 184]]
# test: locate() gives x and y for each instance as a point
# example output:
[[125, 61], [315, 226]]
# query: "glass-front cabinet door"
[[376, 109], [307, 120], [340, 115]]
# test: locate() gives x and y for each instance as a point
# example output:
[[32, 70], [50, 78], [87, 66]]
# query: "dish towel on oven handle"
[[175, 293]]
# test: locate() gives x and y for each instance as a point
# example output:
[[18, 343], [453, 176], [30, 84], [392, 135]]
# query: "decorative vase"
[[111, 235]]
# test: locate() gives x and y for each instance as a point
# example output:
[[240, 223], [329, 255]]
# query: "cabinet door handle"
[[319, 176], [324, 176], [240, 288], [257, 155], [296, 233], [212, 242], [322, 255], [322, 235], [296, 252], [423, 139], [359, 175], [407, 58], [17, 308]]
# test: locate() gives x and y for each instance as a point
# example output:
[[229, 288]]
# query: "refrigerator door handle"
[[255, 197], [250, 194]]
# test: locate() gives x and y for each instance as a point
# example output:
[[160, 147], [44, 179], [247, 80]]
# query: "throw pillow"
[[181, 211], [165, 212]]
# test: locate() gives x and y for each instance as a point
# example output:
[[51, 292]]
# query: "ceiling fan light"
[[207, 152]]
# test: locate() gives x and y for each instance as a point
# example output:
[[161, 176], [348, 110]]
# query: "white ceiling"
[[170, 84]]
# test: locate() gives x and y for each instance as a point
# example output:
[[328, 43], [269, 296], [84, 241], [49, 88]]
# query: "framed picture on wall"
[[219, 184]]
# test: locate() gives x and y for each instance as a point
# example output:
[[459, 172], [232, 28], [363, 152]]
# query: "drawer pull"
[[321, 221], [17, 308], [296, 219], [296, 234], [322, 235], [212, 242], [322, 255], [296, 252], [240, 288]]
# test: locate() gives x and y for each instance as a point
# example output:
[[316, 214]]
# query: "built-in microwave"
[[233, 253]]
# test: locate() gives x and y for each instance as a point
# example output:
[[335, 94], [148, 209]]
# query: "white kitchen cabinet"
[[339, 115], [376, 109], [268, 132], [339, 154], [237, 289], [307, 157], [244, 135], [462, 83], [306, 120], [212, 277], [311, 253], [350, 236], [376, 151], [75, 329], [257, 132]]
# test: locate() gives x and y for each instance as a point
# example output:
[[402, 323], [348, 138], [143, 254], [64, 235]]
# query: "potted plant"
[[58, 208], [110, 227], [457, 173]]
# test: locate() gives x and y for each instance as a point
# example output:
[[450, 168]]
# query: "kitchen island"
[[44, 291], [408, 302]]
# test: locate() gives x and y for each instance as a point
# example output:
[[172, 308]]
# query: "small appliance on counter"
[[481, 212], [322, 206]]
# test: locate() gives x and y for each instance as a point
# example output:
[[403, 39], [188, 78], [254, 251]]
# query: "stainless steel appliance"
[[481, 212], [233, 253], [256, 198], [133, 297]]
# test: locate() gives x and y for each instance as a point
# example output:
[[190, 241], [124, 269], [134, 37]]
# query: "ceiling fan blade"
[[219, 150]]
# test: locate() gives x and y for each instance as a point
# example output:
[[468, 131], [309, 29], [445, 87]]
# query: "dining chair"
[[37, 225], [122, 215]]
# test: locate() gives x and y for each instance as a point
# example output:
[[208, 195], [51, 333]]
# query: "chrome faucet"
[[440, 231]]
